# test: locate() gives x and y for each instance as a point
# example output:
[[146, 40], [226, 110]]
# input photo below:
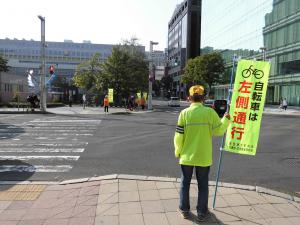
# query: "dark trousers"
[[105, 108], [202, 174]]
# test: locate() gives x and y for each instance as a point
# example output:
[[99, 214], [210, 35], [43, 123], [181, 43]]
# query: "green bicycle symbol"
[[258, 74]]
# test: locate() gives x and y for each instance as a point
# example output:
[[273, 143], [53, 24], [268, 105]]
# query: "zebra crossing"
[[52, 145]]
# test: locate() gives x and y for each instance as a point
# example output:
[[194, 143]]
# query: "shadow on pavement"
[[8, 131], [14, 170]]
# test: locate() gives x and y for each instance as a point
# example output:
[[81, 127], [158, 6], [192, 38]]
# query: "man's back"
[[197, 126]]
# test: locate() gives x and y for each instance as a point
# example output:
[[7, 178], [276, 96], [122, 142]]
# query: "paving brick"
[[128, 185], [170, 205], [294, 220], [15, 214], [107, 220], [277, 221], [107, 209], [152, 206], [235, 200], [253, 197], [108, 198], [155, 219], [84, 211], [164, 185], [129, 196], [130, 208], [61, 213], [108, 188], [5, 204], [31, 222], [225, 215], [149, 195], [168, 193], [288, 210], [146, 185], [136, 219], [37, 214], [87, 200], [56, 222], [82, 220], [175, 219], [90, 190], [246, 212], [267, 211]]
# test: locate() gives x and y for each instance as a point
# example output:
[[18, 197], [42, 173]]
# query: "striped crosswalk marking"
[[44, 145]]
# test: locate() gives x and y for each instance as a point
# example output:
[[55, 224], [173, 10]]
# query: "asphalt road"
[[68, 147]]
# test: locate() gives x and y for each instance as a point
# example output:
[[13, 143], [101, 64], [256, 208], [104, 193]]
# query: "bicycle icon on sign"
[[258, 74]]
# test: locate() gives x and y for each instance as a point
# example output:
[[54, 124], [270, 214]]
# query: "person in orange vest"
[[143, 102], [106, 104]]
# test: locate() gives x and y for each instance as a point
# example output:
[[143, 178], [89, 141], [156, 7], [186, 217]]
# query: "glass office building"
[[257, 29], [183, 41]]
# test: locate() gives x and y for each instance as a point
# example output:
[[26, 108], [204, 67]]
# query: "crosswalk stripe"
[[65, 121], [36, 168], [44, 157], [45, 134], [41, 150], [76, 144]]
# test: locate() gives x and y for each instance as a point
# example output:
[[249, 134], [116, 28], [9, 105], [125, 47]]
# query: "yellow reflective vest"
[[193, 136]]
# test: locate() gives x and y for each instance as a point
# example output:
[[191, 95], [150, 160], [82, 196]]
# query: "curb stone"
[[162, 179]]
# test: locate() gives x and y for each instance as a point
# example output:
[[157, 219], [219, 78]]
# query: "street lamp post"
[[43, 96], [151, 75], [264, 53]]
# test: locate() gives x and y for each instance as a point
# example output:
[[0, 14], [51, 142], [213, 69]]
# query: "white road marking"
[[35, 168], [44, 157], [6, 117], [42, 150], [65, 121], [77, 144]]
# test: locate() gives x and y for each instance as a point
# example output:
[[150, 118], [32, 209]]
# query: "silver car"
[[174, 101]]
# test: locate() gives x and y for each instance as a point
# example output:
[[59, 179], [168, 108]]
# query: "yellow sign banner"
[[246, 107]]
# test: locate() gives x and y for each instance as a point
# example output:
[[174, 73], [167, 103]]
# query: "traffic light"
[[176, 61], [51, 69]]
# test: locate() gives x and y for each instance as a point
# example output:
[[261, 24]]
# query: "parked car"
[[219, 106], [174, 101]]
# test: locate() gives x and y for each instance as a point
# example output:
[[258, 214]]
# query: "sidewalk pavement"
[[138, 200], [76, 109]]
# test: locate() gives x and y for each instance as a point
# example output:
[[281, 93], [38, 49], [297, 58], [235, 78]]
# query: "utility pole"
[[264, 53], [43, 96], [151, 75]]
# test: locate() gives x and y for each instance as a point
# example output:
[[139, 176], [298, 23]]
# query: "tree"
[[126, 69], [3, 65], [88, 75], [206, 69], [166, 82]]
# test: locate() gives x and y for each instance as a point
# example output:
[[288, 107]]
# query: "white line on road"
[[6, 117], [35, 168], [44, 157], [76, 144], [65, 121], [42, 150]]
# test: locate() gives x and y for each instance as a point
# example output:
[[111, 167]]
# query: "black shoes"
[[184, 214], [203, 217]]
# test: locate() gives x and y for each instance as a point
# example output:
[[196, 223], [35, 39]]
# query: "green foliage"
[[205, 69], [3, 64], [126, 70], [88, 73], [166, 82]]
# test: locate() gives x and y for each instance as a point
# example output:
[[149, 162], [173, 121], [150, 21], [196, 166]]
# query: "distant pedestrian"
[[83, 101], [193, 146], [143, 102], [70, 100], [284, 104], [106, 103]]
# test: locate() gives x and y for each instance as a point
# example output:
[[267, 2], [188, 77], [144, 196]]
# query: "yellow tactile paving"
[[27, 196], [27, 192]]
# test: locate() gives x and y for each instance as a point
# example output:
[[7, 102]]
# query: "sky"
[[100, 21]]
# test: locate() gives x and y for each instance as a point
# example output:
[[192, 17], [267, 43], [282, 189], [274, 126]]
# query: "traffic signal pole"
[[151, 75], [43, 95]]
